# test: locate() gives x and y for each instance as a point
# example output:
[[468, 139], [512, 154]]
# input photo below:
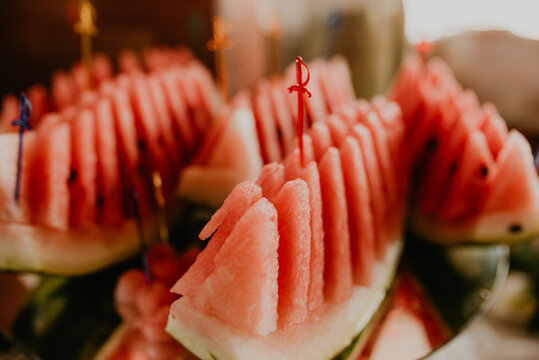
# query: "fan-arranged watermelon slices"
[[300, 261], [81, 163], [474, 180]]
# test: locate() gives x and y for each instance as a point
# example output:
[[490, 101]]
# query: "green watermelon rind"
[[34, 248], [202, 334]]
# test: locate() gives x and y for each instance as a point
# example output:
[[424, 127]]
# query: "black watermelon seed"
[[72, 176], [141, 146], [483, 171], [100, 200], [432, 144], [515, 228]]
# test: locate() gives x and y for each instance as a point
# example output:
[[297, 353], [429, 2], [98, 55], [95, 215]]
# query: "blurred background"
[[490, 44]]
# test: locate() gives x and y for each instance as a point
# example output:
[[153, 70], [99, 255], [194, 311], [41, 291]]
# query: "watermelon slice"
[[234, 157], [83, 176], [10, 211], [309, 173], [459, 194], [338, 260], [509, 206], [271, 179], [294, 213]]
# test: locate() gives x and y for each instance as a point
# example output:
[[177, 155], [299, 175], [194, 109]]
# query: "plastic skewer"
[[85, 27], [219, 44], [22, 122], [300, 88], [142, 241]]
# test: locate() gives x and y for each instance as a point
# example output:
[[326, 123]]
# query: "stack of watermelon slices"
[[80, 164], [260, 128], [473, 179], [299, 261]]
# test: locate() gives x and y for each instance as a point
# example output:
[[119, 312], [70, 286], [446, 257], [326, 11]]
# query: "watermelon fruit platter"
[[144, 215]]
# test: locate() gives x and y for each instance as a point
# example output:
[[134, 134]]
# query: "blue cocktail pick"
[[22, 122], [142, 241]]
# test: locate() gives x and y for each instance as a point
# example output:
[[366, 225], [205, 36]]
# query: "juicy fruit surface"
[[88, 158], [458, 150], [315, 273], [245, 274], [143, 308]]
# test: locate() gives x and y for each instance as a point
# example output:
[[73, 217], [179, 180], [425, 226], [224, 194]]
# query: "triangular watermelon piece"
[[379, 201], [309, 173], [266, 127], [321, 137], [470, 183], [271, 179], [338, 261], [494, 128], [50, 174], [11, 211], [177, 106], [108, 167], [243, 289], [294, 214], [285, 120], [360, 217], [83, 178], [220, 225], [337, 128]]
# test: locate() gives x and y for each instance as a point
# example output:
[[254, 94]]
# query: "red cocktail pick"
[[424, 48], [300, 88], [22, 122]]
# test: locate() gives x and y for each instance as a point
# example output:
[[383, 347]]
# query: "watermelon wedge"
[[313, 294], [458, 192]]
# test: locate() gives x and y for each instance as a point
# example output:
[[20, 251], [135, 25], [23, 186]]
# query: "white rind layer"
[[487, 228], [36, 248], [323, 335]]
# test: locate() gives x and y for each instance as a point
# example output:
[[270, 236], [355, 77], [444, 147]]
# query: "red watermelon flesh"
[[308, 151], [151, 142], [494, 128], [470, 184], [128, 62], [513, 177], [221, 225], [387, 165], [460, 117], [101, 68], [166, 125], [195, 98], [50, 175], [376, 190], [407, 90], [271, 179], [285, 119], [360, 218], [340, 71], [316, 106], [294, 214], [178, 109], [10, 211], [391, 116], [309, 173], [108, 168], [328, 86], [10, 111], [266, 127], [63, 89], [348, 113], [38, 97], [83, 178], [337, 129], [243, 289], [321, 138], [338, 262]]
